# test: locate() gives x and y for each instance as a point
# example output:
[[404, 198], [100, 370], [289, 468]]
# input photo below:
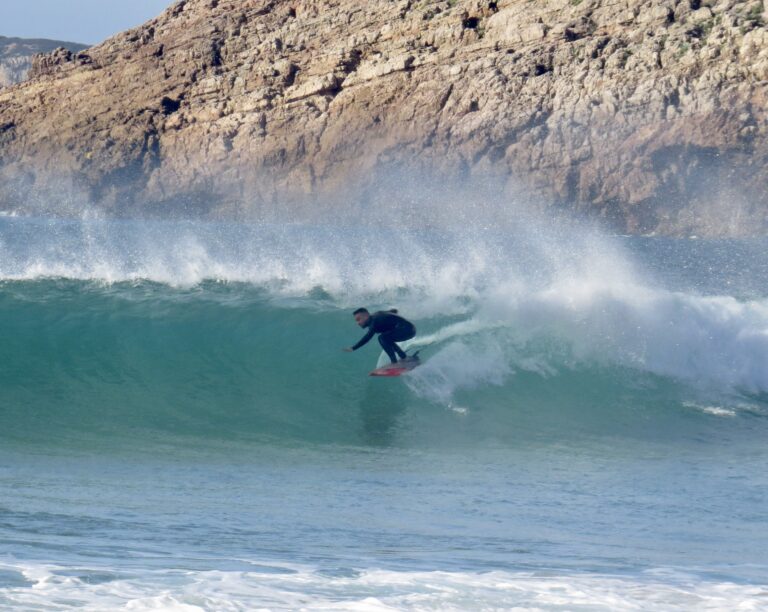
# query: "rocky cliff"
[[16, 56], [649, 114]]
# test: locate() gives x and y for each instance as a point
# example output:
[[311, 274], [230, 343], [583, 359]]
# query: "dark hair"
[[360, 311]]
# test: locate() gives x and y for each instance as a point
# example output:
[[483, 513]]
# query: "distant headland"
[[16, 56]]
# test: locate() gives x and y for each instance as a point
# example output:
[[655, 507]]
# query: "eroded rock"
[[649, 114]]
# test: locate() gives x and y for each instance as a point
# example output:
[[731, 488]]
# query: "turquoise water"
[[179, 428]]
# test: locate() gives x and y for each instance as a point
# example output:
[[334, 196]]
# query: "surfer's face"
[[361, 318]]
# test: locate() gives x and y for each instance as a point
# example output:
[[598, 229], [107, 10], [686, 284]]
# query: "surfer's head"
[[361, 316]]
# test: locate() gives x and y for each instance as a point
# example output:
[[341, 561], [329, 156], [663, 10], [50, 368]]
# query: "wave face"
[[150, 330]]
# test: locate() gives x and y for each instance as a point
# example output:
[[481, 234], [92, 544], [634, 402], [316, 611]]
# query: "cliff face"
[[16, 56], [649, 113]]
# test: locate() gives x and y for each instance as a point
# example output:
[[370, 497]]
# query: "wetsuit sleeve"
[[364, 340]]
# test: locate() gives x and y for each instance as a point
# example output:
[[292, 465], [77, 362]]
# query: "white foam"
[[302, 588], [460, 366], [718, 411], [714, 343]]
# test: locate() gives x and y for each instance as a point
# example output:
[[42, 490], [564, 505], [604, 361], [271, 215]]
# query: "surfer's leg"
[[399, 334], [389, 346]]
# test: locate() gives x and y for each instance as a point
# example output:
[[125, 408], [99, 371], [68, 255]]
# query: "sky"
[[81, 21]]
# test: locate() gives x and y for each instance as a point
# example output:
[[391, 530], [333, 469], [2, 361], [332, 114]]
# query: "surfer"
[[390, 326]]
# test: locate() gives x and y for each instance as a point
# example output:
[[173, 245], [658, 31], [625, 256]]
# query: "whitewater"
[[179, 428]]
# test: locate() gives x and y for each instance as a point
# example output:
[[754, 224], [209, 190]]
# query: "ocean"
[[180, 430]]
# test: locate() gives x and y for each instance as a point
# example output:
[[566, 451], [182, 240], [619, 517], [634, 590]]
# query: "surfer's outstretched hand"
[[347, 349]]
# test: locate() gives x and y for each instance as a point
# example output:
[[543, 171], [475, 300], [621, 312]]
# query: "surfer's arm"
[[364, 340]]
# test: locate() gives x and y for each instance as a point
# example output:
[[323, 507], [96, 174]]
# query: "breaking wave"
[[117, 327]]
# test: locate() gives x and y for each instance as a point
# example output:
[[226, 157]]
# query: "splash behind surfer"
[[390, 326]]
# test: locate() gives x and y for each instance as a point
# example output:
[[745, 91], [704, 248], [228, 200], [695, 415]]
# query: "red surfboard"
[[399, 368]]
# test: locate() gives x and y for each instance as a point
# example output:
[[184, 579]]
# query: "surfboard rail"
[[398, 369]]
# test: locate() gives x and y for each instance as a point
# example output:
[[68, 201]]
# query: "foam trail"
[[424, 341]]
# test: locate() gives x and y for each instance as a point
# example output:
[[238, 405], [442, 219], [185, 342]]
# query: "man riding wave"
[[390, 326]]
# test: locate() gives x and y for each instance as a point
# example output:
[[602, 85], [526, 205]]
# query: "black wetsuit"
[[393, 328]]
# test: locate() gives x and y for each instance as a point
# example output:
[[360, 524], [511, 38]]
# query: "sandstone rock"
[[659, 14], [702, 14], [648, 114]]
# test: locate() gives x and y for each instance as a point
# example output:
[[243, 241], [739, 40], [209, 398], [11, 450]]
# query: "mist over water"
[[180, 428]]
